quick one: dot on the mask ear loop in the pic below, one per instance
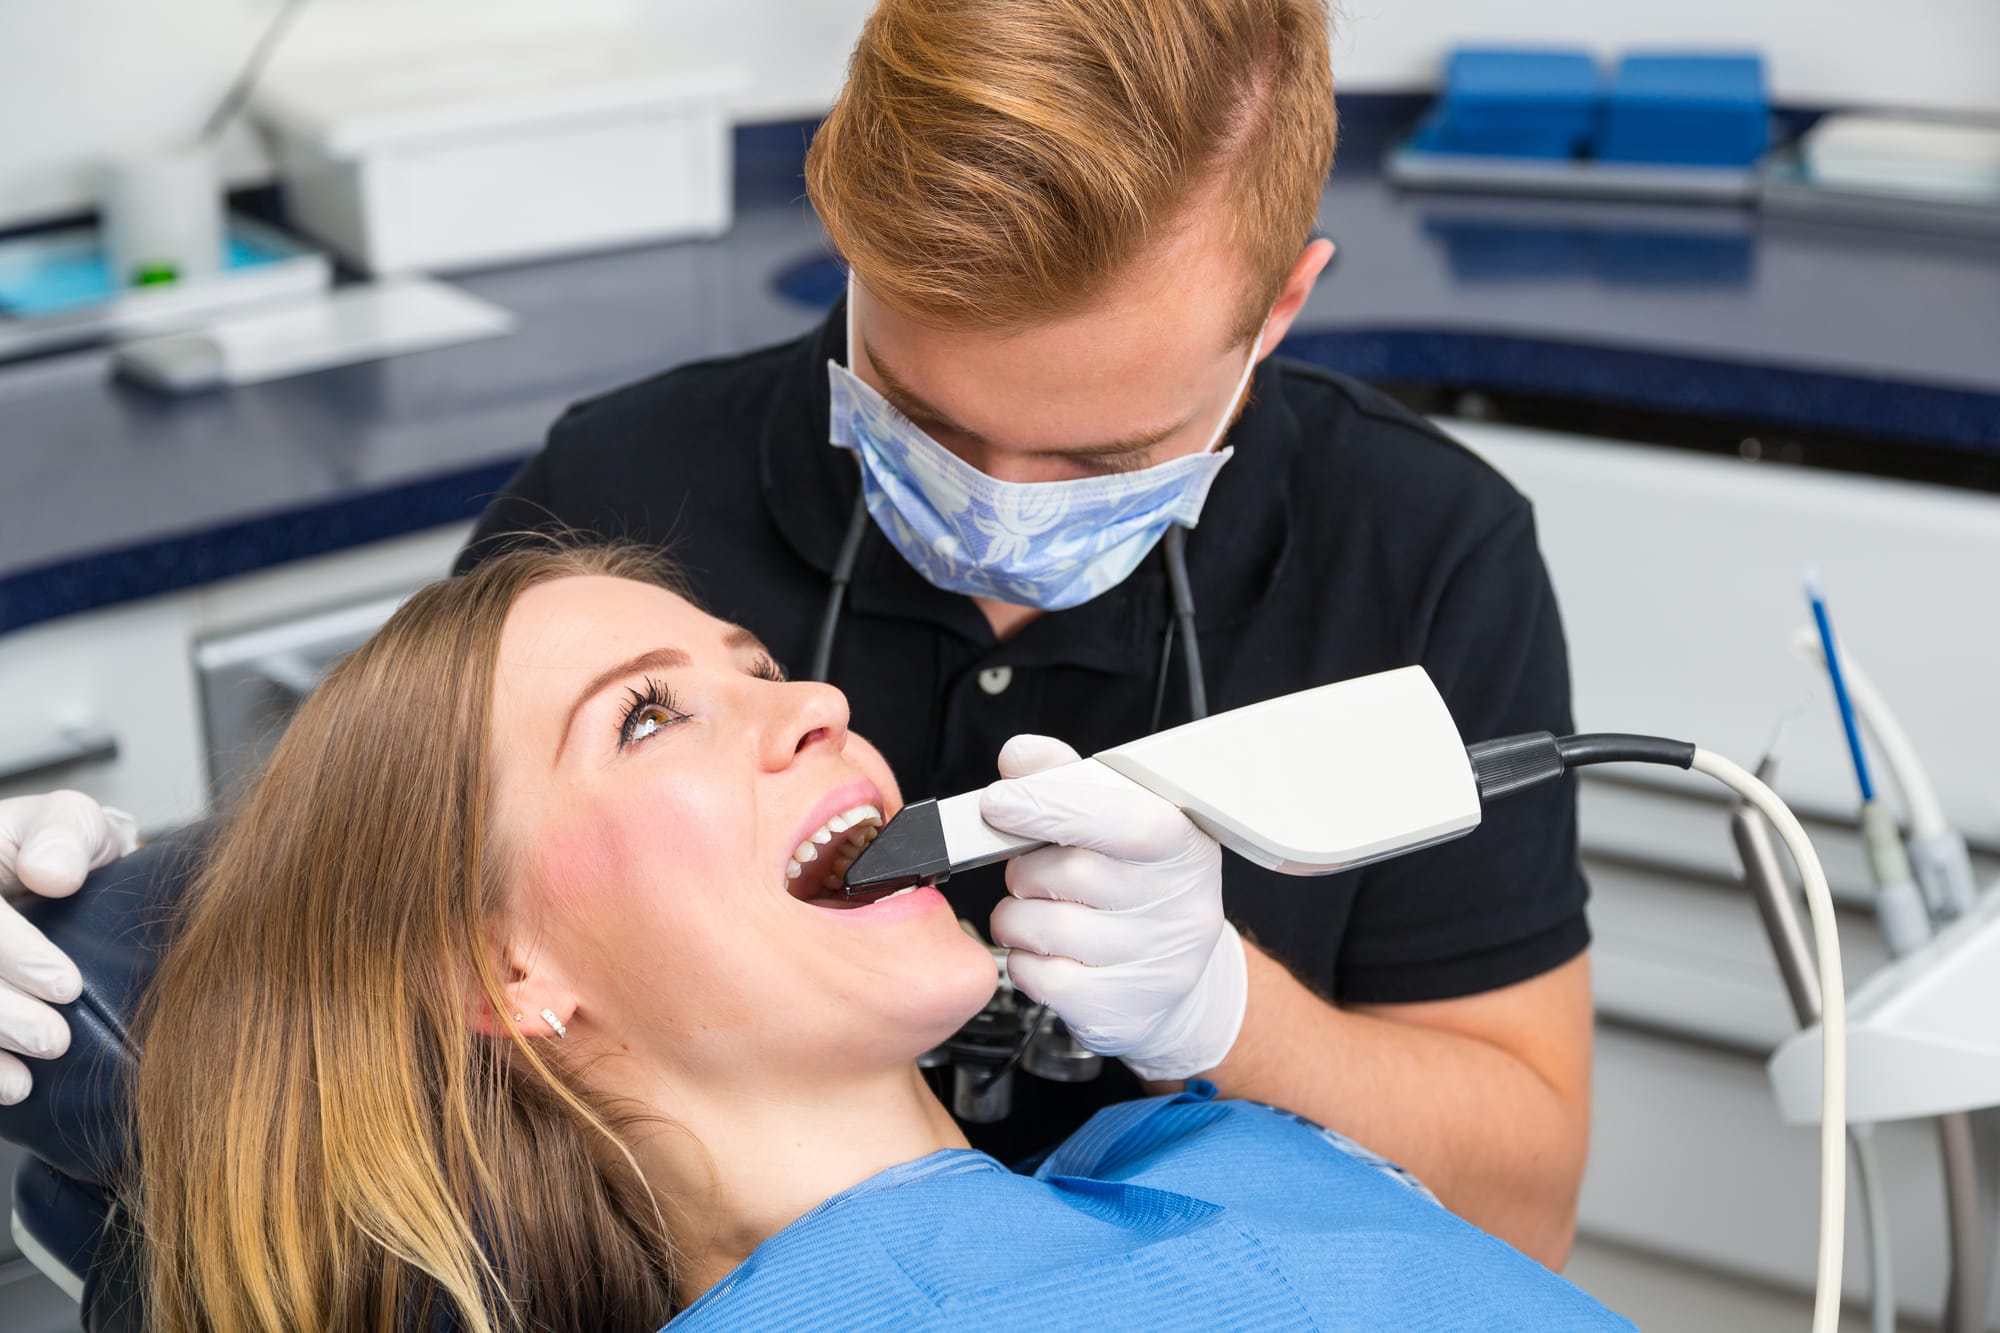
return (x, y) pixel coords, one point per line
(1242, 383)
(850, 319)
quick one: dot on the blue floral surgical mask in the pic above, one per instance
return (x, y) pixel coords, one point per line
(1046, 544)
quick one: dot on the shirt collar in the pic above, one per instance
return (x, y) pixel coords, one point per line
(1234, 556)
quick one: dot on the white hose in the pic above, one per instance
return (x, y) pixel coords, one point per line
(1833, 1028)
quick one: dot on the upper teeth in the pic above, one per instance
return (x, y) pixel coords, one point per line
(860, 824)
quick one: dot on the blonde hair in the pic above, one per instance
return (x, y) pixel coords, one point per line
(326, 1139)
(997, 163)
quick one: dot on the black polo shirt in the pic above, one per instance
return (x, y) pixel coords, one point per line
(1346, 536)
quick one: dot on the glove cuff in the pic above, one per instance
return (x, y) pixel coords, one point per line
(1204, 1029)
(124, 828)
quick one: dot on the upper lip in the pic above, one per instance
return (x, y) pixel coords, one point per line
(853, 792)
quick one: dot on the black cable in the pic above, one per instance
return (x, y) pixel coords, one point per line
(1612, 747)
(1177, 581)
(1509, 764)
(1160, 679)
(1033, 1022)
(836, 593)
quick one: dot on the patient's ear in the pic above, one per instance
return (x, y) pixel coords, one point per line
(531, 989)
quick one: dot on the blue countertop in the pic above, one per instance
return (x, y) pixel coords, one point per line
(109, 493)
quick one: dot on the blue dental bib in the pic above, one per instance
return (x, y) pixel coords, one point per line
(1178, 1212)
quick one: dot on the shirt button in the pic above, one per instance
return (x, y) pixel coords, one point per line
(995, 680)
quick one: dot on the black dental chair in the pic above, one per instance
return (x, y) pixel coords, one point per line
(74, 1124)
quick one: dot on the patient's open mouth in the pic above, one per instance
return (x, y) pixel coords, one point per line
(814, 872)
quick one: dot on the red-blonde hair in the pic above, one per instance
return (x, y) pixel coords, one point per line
(999, 163)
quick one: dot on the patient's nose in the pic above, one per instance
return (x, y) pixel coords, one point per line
(807, 715)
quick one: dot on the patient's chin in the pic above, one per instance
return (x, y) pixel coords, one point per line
(938, 986)
(960, 987)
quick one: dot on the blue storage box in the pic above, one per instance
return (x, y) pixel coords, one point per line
(1685, 110)
(1513, 103)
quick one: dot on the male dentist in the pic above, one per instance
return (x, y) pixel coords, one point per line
(1047, 429)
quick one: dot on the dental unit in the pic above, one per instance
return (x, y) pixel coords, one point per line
(1922, 890)
(1331, 778)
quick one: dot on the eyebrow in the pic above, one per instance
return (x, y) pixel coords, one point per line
(653, 659)
(913, 405)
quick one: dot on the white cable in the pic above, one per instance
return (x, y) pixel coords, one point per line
(1919, 797)
(1833, 1028)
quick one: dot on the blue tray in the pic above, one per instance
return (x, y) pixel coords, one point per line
(56, 288)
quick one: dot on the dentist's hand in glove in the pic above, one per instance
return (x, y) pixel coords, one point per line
(47, 845)
(1117, 926)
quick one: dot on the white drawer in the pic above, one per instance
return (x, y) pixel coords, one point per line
(122, 674)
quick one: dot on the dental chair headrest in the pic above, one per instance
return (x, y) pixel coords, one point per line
(116, 926)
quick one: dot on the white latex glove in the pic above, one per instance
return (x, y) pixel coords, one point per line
(1117, 927)
(47, 845)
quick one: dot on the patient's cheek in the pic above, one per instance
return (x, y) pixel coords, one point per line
(608, 860)
(587, 864)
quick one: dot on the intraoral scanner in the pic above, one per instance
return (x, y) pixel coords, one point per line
(1362, 770)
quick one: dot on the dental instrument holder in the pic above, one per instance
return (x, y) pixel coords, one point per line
(1943, 867)
(1921, 1040)
(1309, 783)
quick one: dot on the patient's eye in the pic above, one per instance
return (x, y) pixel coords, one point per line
(765, 669)
(652, 709)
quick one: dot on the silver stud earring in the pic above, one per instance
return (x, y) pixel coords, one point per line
(555, 1023)
(519, 1017)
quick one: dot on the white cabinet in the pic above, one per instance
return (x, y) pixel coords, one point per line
(109, 702)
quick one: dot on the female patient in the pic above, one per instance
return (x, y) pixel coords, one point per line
(518, 994)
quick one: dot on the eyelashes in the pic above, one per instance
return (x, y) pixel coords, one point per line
(653, 709)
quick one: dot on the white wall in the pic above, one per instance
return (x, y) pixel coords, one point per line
(84, 79)
(80, 79)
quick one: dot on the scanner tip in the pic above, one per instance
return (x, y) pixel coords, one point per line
(909, 850)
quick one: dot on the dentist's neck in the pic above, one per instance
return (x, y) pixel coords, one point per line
(732, 1169)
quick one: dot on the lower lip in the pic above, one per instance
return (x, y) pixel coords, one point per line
(883, 911)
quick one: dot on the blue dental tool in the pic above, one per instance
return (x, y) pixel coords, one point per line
(1816, 595)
